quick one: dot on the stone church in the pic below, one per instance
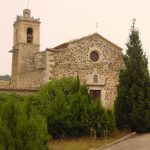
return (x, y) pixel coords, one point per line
(95, 59)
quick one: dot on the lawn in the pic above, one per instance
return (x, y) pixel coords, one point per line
(84, 143)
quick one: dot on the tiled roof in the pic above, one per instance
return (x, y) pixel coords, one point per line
(64, 45)
(5, 88)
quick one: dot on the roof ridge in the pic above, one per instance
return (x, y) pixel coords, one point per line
(65, 44)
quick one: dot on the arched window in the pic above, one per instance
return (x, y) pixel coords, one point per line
(29, 35)
(95, 79)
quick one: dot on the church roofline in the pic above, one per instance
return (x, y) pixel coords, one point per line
(108, 41)
(5, 88)
(36, 21)
(65, 45)
(26, 17)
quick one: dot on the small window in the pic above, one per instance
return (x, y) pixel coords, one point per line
(29, 35)
(94, 56)
(95, 79)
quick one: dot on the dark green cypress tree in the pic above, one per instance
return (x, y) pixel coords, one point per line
(132, 106)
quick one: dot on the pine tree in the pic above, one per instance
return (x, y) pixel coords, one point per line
(132, 106)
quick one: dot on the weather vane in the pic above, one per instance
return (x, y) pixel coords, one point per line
(27, 4)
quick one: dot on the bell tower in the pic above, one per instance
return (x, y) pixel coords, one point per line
(26, 42)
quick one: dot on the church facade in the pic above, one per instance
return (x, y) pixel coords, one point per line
(95, 59)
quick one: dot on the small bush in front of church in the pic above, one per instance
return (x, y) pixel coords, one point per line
(71, 112)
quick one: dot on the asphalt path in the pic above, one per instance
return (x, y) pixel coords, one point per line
(136, 142)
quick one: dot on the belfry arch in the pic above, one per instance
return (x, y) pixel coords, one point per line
(29, 35)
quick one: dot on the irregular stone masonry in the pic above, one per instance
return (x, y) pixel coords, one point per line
(72, 59)
(4, 83)
(96, 60)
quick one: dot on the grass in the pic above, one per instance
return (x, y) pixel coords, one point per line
(85, 143)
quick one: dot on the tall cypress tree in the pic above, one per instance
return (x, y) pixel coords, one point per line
(132, 106)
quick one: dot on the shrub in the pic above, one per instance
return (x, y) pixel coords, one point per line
(19, 131)
(71, 112)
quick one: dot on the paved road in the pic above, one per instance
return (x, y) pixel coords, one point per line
(137, 142)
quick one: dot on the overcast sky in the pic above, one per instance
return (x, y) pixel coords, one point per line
(65, 20)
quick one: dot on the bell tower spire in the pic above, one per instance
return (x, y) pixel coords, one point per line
(27, 13)
(26, 42)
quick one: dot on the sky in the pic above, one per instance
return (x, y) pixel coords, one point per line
(65, 20)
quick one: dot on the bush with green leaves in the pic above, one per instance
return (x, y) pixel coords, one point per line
(71, 112)
(101, 121)
(21, 129)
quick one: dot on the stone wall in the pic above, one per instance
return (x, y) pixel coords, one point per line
(29, 79)
(4, 83)
(29, 70)
(70, 59)
(32, 71)
(27, 61)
